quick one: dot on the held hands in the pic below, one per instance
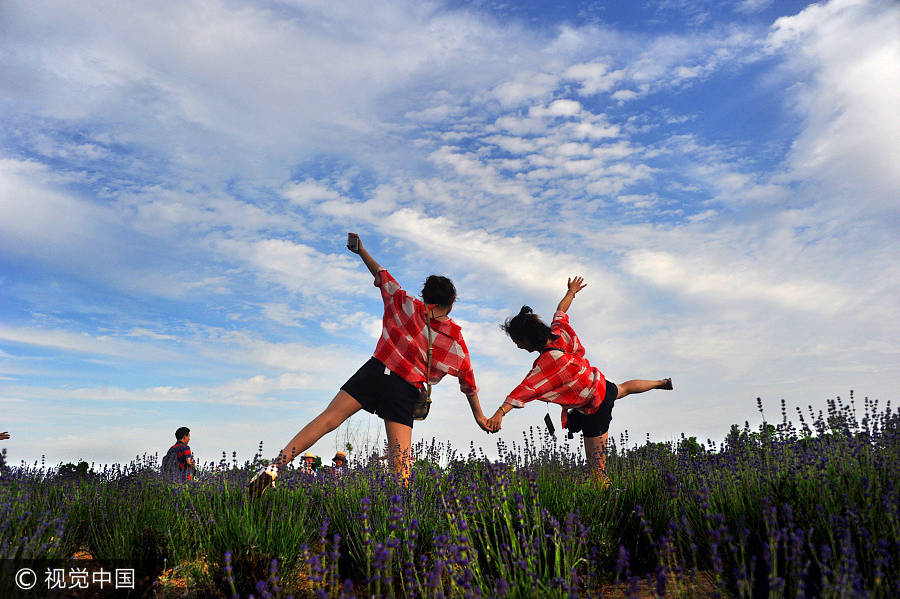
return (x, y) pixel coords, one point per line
(478, 414)
(488, 425)
(493, 423)
(576, 284)
(483, 424)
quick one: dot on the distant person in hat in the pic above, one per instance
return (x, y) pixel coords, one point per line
(309, 461)
(338, 464)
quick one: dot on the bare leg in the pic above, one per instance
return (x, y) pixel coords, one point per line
(399, 439)
(595, 447)
(639, 386)
(341, 407)
(595, 451)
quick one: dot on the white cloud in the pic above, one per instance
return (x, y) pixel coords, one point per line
(527, 87)
(321, 364)
(125, 245)
(557, 108)
(847, 56)
(614, 151)
(284, 314)
(753, 6)
(730, 283)
(249, 85)
(298, 267)
(82, 343)
(594, 77)
(624, 95)
(594, 130)
(370, 324)
(638, 200)
(38, 215)
(521, 125)
(143, 332)
(513, 145)
(306, 192)
(488, 178)
(636, 66)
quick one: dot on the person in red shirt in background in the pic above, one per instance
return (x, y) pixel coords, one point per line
(388, 384)
(3, 437)
(183, 453)
(562, 374)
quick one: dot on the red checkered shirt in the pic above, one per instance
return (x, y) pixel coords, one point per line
(403, 345)
(562, 377)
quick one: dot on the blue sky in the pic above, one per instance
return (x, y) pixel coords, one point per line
(177, 180)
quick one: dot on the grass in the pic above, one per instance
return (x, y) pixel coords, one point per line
(780, 511)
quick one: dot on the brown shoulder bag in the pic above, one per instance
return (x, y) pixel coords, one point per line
(423, 404)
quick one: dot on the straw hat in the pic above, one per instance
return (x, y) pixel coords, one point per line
(339, 456)
(309, 454)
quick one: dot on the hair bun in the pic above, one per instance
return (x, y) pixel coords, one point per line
(525, 310)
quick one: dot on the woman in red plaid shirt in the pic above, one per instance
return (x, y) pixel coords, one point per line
(388, 384)
(562, 374)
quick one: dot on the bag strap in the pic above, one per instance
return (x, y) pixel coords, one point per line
(430, 352)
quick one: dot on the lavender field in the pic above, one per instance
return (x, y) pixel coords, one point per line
(805, 507)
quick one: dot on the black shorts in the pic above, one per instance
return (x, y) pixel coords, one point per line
(386, 395)
(596, 424)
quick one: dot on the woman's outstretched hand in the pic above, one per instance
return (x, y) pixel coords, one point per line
(353, 243)
(576, 284)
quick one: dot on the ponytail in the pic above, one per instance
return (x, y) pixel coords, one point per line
(527, 329)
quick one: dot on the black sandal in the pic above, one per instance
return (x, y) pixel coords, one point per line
(668, 385)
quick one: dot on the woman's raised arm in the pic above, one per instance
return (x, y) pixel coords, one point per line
(574, 285)
(367, 259)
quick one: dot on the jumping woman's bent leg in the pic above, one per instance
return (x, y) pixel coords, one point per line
(399, 439)
(595, 451)
(639, 386)
(341, 407)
